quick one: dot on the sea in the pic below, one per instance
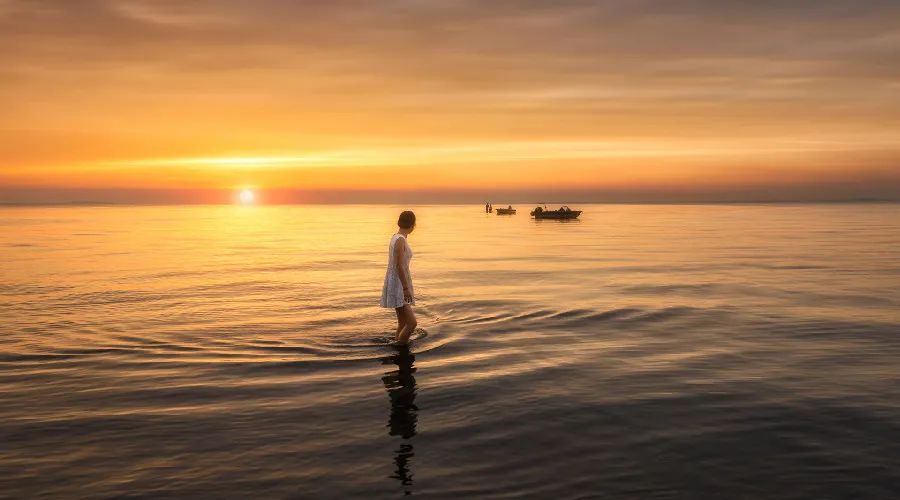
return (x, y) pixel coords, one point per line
(734, 351)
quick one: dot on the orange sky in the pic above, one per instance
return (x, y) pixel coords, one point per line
(663, 97)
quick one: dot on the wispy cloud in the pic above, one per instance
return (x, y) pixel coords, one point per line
(506, 152)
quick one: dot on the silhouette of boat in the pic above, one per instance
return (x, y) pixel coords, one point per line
(564, 212)
(506, 211)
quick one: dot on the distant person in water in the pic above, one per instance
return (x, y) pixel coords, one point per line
(398, 290)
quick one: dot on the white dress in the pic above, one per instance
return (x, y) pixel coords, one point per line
(392, 293)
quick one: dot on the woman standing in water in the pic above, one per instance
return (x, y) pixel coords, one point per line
(398, 290)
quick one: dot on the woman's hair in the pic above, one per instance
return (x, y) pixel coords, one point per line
(407, 220)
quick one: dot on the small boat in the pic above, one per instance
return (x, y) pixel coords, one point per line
(506, 211)
(564, 212)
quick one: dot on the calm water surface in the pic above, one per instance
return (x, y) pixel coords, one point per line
(644, 351)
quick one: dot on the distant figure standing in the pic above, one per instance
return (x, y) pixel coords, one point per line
(487, 207)
(398, 290)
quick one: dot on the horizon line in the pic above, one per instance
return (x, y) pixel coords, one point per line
(96, 203)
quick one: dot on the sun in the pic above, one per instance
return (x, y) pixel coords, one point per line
(247, 196)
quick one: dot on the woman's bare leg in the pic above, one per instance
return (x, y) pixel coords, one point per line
(409, 323)
(401, 321)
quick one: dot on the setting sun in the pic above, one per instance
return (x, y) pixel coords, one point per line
(247, 196)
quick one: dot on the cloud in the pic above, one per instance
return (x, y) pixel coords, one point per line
(472, 43)
(284, 75)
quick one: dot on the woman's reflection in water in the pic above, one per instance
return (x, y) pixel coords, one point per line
(401, 387)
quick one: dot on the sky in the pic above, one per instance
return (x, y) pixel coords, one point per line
(449, 101)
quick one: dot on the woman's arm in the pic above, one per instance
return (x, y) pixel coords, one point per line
(399, 254)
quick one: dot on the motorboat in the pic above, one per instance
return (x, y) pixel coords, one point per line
(564, 212)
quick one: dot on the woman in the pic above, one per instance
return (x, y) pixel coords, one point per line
(398, 291)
